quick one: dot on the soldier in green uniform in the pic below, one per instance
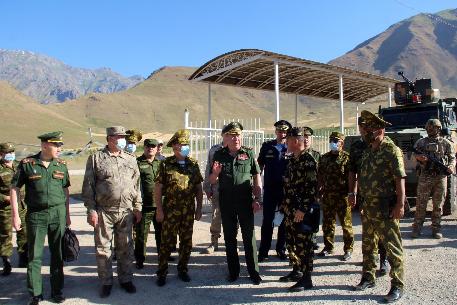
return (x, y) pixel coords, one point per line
(46, 181)
(333, 185)
(382, 185)
(149, 169)
(237, 171)
(300, 191)
(179, 181)
(8, 167)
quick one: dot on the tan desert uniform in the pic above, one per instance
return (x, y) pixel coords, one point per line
(112, 188)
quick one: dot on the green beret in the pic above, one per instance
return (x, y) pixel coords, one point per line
(373, 121)
(151, 142)
(337, 135)
(52, 137)
(133, 136)
(282, 125)
(182, 136)
(232, 128)
(116, 131)
(6, 147)
(299, 132)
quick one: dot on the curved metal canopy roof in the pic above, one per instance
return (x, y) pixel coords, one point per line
(252, 68)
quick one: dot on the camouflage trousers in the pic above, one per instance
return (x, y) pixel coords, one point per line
(6, 234)
(375, 226)
(142, 232)
(299, 245)
(114, 225)
(332, 205)
(216, 221)
(430, 186)
(177, 221)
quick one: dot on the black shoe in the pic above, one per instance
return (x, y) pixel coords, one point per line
(139, 265)
(347, 256)
(6, 266)
(161, 281)
(262, 258)
(105, 291)
(23, 260)
(129, 287)
(255, 278)
(302, 284)
(183, 276)
(57, 298)
(232, 278)
(394, 295)
(325, 252)
(293, 276)
(383, 267)
(364, 284)
(35, 300)
(281, 255)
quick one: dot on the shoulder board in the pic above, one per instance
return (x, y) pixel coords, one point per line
(28, 160)
(246, 148)
(130, 154)
(62, 161)
(192, 160)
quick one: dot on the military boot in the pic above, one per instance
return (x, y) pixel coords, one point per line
(6, 266)
(304, 283)
(23, 260)
(293, 276)
(382, 265)
(416, 232)
(436, 234)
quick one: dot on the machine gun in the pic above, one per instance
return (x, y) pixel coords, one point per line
(433, 161)
(411, 84)
(409, 92)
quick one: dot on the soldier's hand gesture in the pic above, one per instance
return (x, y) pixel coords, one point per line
(217, 168)
(92, 219)
(17, 223)
(298, 216)
(397, 212)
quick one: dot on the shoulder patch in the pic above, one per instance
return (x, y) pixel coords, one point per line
(28, 160)
(61, 161)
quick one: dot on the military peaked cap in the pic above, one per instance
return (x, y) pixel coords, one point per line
(373, 121)
(299, 132)
(6, 147)
(182, 136)
(282, 125)
(134, 136)
(337, 135)
(232, 128)
(116, 131)
(52, 137)
(151, 142)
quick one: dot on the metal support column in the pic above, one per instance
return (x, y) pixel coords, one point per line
(296, 109)
(341, 105)
(186, 118)
(277, 89)
(390, 97)
(208, 133)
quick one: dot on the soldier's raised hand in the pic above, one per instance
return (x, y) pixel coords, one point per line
(217, 168)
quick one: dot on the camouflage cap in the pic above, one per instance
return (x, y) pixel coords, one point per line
(182, 136)
(360, 121)
(433, 122)
(52, 137)
(299, 132)
(337, 135)
(232, 128)
(133, 136)
(6, 147)
(116, 131)
(373, 121)
(282, 125)
(151, 142)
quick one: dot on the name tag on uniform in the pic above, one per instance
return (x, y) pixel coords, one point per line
(58, 175)
(35, 177)
(144, 166)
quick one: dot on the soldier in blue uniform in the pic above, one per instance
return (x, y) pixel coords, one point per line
(273, 163)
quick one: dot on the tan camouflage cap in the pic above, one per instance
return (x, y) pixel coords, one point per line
(6, 147)
(373, 121)
(337, 135)
(116, 131)
(182, 136)
(133, 136)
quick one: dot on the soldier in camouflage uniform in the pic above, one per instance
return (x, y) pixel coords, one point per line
(179, 181)
(133, 137)
(382, 185)
(46, 182)
(355, 155)
(333, 185)
(8, 167)
(111, 194)
(149, 169)
(238, 174)
(300, 191)
(432, 181)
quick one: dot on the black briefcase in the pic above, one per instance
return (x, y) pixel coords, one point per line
(70, 246)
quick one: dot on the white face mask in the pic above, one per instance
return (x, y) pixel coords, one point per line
(131, 148)
(185, 150)
(9, 157)
(333, 146)
(121, 143)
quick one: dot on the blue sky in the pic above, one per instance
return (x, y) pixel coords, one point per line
(138, 37)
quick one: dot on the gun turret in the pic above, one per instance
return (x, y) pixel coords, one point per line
(408, 92)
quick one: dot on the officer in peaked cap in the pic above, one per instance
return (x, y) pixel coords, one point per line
(182, 136)
(133, 137)
(234, 167)
(8, 168)
(46, 181)
(273, 163)
(373, 121)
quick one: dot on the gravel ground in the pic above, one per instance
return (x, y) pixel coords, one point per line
(430, 274)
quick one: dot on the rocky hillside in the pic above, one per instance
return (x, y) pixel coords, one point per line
(423, 46)
(49, 80)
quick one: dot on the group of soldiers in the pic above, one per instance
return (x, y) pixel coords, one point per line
(124, 194)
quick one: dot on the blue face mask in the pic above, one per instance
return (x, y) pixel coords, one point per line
(131, 148)
(9, 157)
(333, 146)
(185, 150)
(121, 143)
